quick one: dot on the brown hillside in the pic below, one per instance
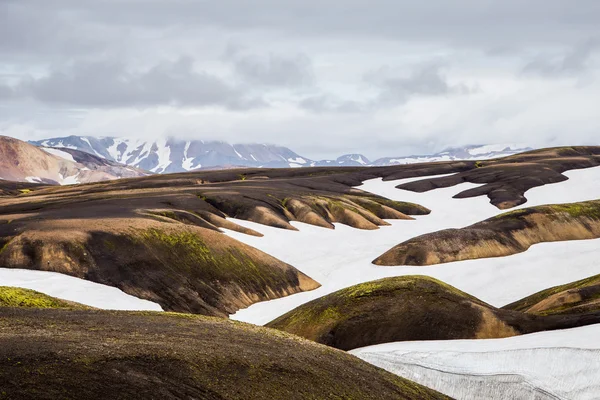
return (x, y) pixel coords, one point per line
(578, 297)
(56, 354)
(503, 235)
(410, 308)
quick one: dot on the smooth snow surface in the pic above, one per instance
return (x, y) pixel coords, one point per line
(342, 257)
(562, 364)
(74, 289)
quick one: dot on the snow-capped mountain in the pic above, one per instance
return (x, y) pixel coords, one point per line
(172, 155)
(473, 152)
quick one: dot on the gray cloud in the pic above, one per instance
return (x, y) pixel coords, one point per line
(111, 84)
(573, 62)
(328, 103)
(297, 68)
(274, 70)
(427, 80)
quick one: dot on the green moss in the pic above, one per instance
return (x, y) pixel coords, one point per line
(589, 209)
(191, 242)
(185, 250)
(4, 245)
(18, 297)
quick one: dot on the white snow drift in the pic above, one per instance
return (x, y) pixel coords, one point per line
(74, 289)
(562, 364)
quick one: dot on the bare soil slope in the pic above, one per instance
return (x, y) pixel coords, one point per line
(578, 297)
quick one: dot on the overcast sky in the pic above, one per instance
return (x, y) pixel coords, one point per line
(324, 78)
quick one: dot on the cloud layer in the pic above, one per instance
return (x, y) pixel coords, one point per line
(378, 77)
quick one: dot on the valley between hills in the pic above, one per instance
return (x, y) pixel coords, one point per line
(417, 281)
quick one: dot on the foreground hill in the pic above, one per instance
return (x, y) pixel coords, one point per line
(49, 354)
(410, 308)
(503, 235)
(21, 161)
(576, 297)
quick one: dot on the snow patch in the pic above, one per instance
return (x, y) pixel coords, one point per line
(91, 147)
(494, 148)
(557, 364)
(297, 160)
(59, 153)
(74, 289)
(187, 162)
(164, 156)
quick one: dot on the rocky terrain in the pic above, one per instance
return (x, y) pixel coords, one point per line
(506, 234)
(53, 353)
(21, 161)
(410, 308)
(506, 180)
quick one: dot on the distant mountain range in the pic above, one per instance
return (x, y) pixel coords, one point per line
(171, 155)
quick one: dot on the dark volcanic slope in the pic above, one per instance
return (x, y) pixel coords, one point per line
(182, 267)
(505, 234)
(56, 354)
(10, 188)
(505, 180)
(410, 308)
(582, 296)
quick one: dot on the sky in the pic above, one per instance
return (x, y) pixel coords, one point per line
(328, 77)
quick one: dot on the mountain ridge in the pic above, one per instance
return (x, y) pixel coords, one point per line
(174, 155)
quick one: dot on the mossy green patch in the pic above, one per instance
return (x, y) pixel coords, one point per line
(19, 297)
(188, 251)
(589, 209)
(4, 242)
